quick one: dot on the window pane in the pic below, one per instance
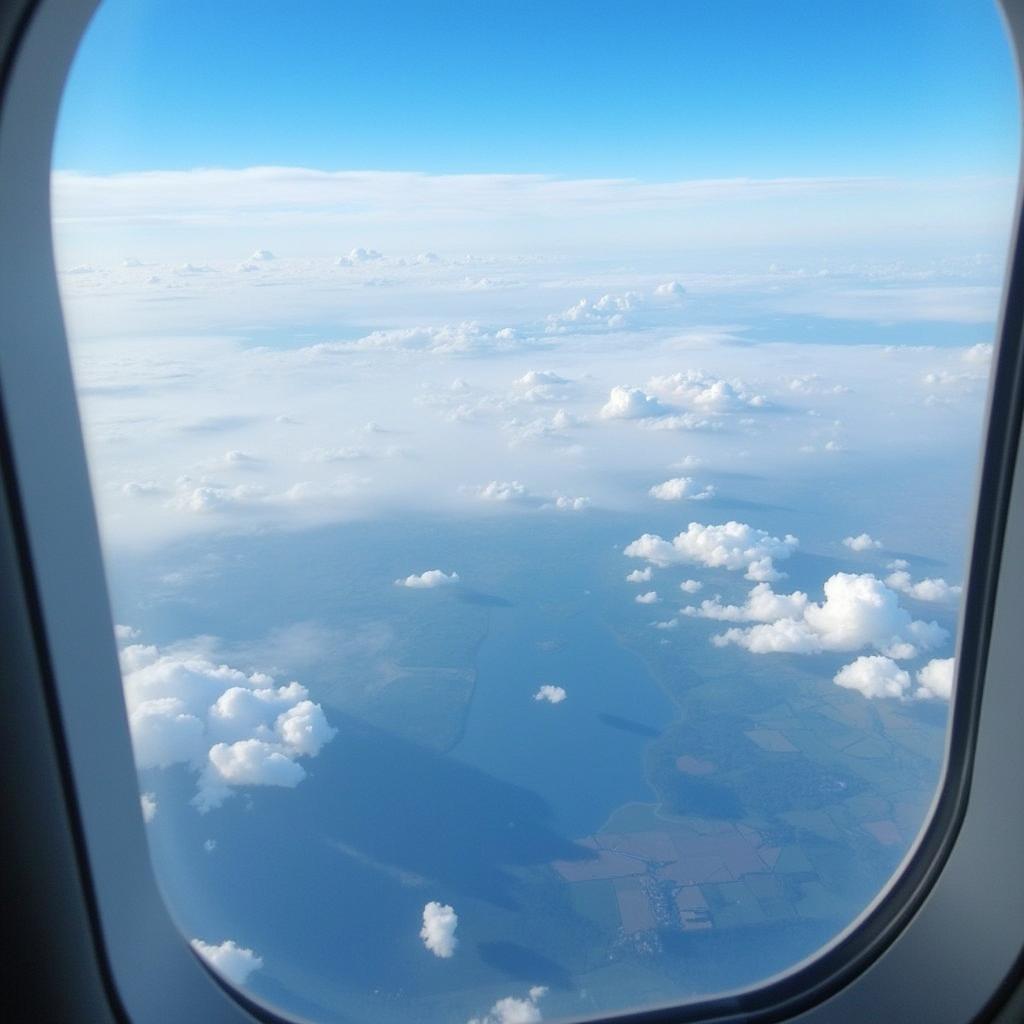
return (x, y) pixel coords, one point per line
(534, 447)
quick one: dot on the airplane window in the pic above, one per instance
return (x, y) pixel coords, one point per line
(535, 450)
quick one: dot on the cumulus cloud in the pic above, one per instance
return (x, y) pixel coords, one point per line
(359, 255)
(858, 611)
(979, 354)
(438, 931)
(862, 542)
(428, 580)
(640, 575)
(232, 728)
(690, 586)
(609, 311)
(148, 802)
(233, 962)
(702, 392)
(762, 605)
(651, 597)
(935, 590)
(511, 1010)
(935, 680)
(541, 428)
(874, 676)
(552, 694)
(678, 488)
(502, 490)
(565, 503)
(671, 290)
(254, 763)
(631, 404)
(540, 378)
(729, 545)
(262, 256)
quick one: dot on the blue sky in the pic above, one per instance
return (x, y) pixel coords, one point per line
(652, 89)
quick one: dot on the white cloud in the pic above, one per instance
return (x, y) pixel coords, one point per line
(631, 404)
(813, 384)
(447, 339)
(149, 806)
(762, 605)
(359, 255)
(125, 633)
(141, 489)
(729, 545)
(165, 733)
(232, 728)
(677, 488)
(428, 580)
(565, 503)
(979, 354)
(303, 728)
(502, 490)
(233, 962)
(511, 1010)
(552, 694)
(935, 590)
(640, 575)
(690, 586)
(608, 311)
(858, 611)
(262, 256)
(935, 680)
(438, 931)
(704, 393)
(862, 542)
(687, 462)
(672, 290)
(254, 763)
(541, 428)
(540, 378)
(651, 597)
(874, 676)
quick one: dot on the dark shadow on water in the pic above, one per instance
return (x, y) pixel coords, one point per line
(522, 964)
(627, 725)
(487, 600)
(350, 856)
(419, 811)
